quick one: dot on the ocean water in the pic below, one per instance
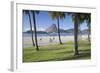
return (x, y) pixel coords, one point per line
(53, 34)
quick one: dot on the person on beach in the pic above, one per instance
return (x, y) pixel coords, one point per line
(40, 39)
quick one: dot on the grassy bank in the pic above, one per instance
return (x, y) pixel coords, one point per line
(57, 52)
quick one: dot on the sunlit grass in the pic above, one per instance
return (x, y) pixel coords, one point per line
(57, 52)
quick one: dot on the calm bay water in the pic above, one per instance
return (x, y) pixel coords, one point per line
(53, 34)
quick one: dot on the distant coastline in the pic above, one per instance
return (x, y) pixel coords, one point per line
(45, 40)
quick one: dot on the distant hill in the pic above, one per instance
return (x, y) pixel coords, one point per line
(70, 30)
(38, 32)
(53, 30)
(85, 31)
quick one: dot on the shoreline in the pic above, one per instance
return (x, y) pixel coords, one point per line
(46, 40)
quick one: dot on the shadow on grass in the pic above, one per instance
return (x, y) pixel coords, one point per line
(81, 56)
(84, 54)
(71, 51)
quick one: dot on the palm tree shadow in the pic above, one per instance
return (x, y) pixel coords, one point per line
(84, 54)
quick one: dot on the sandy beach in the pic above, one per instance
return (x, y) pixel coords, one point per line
(47, 40)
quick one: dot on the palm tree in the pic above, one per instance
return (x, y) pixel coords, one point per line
(76, 19)
(86, 17)
(76, 33)
(58, 16)
(80, 21)
(88, 21)
(35, 30)
(30, 22)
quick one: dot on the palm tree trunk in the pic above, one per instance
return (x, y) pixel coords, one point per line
(76, 34)
(89, 37)
(59, 31)
(80, 35)
(31, 29)
(36, 42)
(89, 34)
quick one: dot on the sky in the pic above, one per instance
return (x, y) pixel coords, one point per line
(44, 20)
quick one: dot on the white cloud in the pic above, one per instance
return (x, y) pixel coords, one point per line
(28, 29)
(39, 29)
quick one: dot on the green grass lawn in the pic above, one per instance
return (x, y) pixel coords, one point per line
(57, 52)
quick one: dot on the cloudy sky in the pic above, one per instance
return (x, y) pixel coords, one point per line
(43, 21)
